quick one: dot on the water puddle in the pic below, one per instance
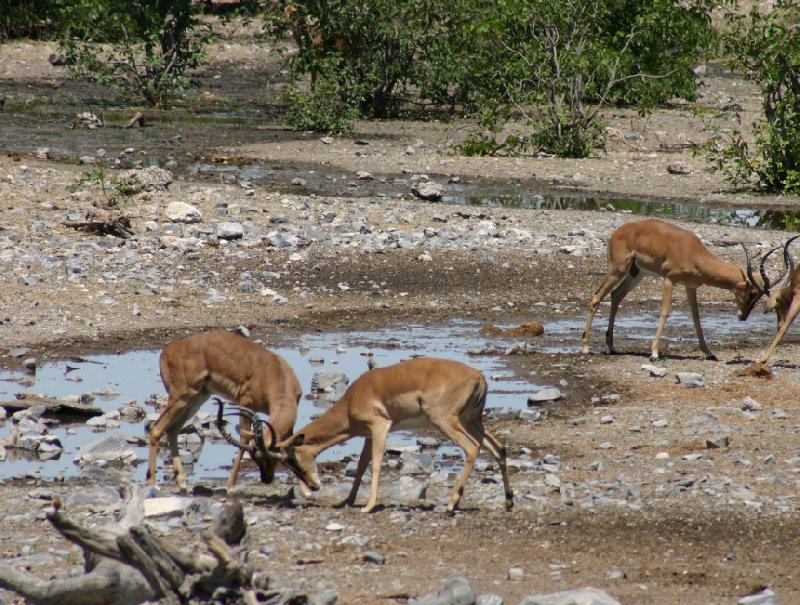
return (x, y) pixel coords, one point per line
(757, 218)
(492, 196)
(134, 375)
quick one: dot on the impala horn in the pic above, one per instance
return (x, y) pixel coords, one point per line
(221, 423)
(257, 425)
(765, 290)
(788, 261)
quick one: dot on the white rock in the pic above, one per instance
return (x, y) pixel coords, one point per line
(181, 212)
(170, 505)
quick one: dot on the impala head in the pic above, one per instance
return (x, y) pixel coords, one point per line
(301, 461)
(780, 298)
(265, 456)
(753, 288)
(776, 297)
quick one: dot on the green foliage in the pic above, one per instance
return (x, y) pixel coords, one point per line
(28, 19)
(766, 48)
(555, 65)
(321, 110)
(112, 192)
(374, 52)
(550, 65)
(140, 47)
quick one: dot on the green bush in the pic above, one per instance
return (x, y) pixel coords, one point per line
(139, 47)
(549, 65)
(765, 48)
(38, 19)
(320, 110)
(555, 65)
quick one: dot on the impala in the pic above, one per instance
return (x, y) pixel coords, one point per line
(654, 247)
(409, 395)
(784, 300)
(226, 364)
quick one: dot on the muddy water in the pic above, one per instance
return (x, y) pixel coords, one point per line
(117, 379)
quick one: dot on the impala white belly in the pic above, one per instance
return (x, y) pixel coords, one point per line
(410, 424)
(647, 265)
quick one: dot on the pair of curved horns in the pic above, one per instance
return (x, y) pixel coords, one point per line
(788, 267)
(257, 425)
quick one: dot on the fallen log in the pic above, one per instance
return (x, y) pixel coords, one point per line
(129, 563)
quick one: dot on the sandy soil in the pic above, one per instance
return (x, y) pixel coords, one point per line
(697, 544)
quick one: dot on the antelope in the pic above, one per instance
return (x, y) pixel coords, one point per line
(226, 364)
(658, 248)
(409, 395)
(785, 300)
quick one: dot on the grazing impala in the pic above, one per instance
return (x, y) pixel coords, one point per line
(222, 363)
(654, 247)
(784, 300)
(411, 394)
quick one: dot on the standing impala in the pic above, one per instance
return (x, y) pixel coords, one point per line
(411, 394)
(784, 300)
(222, 363)
(654, 247)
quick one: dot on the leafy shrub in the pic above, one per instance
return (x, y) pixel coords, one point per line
(140, 47)
(765, 47)
(322, 109)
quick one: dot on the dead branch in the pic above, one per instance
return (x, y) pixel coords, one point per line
(129, 563)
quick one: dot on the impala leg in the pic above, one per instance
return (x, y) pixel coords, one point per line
(611, 282)
(177, 463)
(498, 451)
(617, 295)
(666, 303)
(379, 435)
(471, 446)
(361, 468)
(245, 434)
(794, 309)
(172, 419)
(165, 424)
(691, 295)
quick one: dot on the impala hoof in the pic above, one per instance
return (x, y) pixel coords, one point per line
(655, 357)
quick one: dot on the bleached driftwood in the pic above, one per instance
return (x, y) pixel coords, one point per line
(129, 563)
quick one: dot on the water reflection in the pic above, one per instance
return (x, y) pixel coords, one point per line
(757, 218)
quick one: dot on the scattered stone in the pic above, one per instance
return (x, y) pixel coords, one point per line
(545, 395)
(679, 168)
(690, 379)
(166, 506)
(721, 441)
(428, 190)
(763, 597)
(151, 178)
(377, 558)
(655, 371)
(110, 450)
(181, 212)
(751, 405)
(583, 596)
(456, 591)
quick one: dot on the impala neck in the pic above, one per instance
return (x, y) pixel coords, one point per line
(331, 428)
(719, 273)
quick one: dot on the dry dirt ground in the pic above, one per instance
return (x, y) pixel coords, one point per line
(702, 545)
